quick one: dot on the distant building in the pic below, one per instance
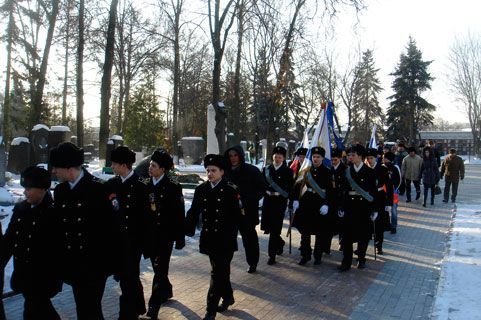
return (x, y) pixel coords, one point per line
(462, 141)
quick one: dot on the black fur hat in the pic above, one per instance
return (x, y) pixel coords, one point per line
(359, 149)
(318, 150)
(35, 177)
(280, 150)
(215, 160)
(122, 155)
(163, 159)
(66, 155)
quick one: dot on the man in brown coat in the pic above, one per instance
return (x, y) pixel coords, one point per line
(453, 169)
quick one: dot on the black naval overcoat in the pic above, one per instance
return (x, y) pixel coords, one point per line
(131, 210)
(384, 192)
(166, 215)
(32, 239)
(274, 204)
(220, 210)
(308, 219)
(357, 210)
(88, 229)
(339, 185)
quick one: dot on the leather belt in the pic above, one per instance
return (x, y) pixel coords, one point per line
(272, 193)
(380, 189)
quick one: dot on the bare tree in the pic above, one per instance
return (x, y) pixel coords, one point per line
(79, 73)
(217, 25)
(105, 90)
(465, 79)
(37, 103)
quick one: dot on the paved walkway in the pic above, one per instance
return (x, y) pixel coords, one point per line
(401, 284)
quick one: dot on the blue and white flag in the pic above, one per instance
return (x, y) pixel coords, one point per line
(372, 142)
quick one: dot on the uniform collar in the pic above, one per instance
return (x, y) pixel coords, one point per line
(155, 181)
(357, 168)
(131, 173)
(76, 181)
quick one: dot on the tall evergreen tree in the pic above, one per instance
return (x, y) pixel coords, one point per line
(367, 111)
(145, 127)
(408, 110)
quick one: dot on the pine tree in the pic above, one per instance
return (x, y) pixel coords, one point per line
(408, 111)
(367, 111)
(144, 127)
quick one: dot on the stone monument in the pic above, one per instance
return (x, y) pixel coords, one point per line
(19, 155)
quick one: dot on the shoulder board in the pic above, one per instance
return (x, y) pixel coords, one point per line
(96, 179)
(144, 180)
(233, 186)
(173, 181)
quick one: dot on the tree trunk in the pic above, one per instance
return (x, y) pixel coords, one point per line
(80, 77)
(176, 71)
(38, 98)
(6, 101)
(105, 90)
(65, 71)
(237, 99)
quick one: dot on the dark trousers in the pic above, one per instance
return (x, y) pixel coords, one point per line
(161, 286)
(39, 307)
(220, 286)
(2, 311)
(408, 188)
(131, 301)
(447, 184)
(321, 244)
(88, 298)
(426, 189)
(347, 245)
(250, 241)
(275, 217)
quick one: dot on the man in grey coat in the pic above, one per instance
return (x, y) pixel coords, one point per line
(452, 169)
(411, 170)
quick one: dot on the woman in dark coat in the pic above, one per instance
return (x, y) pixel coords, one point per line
(429, 173)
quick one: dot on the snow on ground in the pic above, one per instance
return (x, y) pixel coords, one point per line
(458, 291)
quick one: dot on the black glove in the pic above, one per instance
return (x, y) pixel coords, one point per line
(180, 243)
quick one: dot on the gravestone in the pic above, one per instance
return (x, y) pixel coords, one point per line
(57, 135)
(39, 144)
(292, 148)
(19, 155)
(231, 139)
(263, 150)
(212, 144)
(193, 149)
(112, 143)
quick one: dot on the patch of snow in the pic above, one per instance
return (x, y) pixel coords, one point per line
(192, 138)
(116, 137)
(18, 140)
(5, 197)
(40, 126)
(60, 129)
(458, 289)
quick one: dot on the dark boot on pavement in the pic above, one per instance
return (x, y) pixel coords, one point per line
(226, 303)
(361, 265)
(271, 261)
(152, 314)
(210, 316)
(343, 268)
(418, 195)
(304, 261)
(252, 269)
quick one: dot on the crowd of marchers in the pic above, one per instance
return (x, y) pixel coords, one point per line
(90, 229)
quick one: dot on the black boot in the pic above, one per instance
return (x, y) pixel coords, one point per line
(271, 261)
(152, 314)
(210, 316)
(225, 304)
(304, 261)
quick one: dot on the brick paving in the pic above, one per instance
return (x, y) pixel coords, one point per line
(401, 284)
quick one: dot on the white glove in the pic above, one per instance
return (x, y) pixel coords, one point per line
(295, 205)
(388, 209)
(340, 213)
(324, 210)
(373, 216)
